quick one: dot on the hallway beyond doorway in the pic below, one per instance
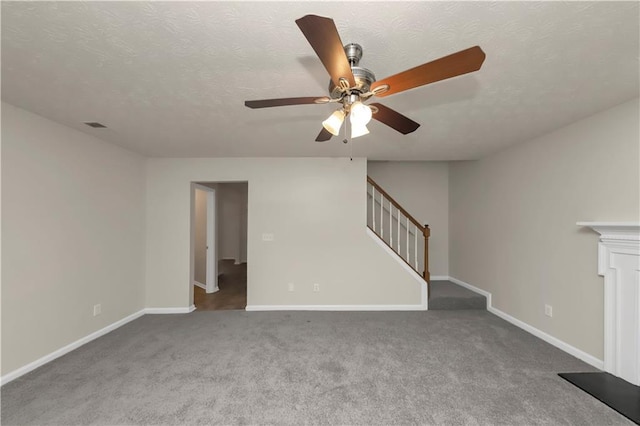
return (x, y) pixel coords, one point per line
(232, 281)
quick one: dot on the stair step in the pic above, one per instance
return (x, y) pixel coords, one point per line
(446, 295)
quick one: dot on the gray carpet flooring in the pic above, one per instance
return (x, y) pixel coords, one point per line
(365, 368)
(446, 295)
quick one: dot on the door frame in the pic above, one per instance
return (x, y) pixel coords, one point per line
(211, 285)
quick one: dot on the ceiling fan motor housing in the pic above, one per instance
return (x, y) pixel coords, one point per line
(363, 77)
(354, 53)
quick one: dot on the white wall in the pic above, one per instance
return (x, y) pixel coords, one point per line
(232, 221)
(316, 209)
(200, 236)
(72, 235)
(1, 257)
(422, 188)
(513, 221)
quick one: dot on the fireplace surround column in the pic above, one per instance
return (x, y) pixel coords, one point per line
(619, 264)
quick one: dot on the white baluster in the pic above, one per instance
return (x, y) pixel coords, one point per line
(381, 217)
(415, 239)
(368, 184)
(382, 198)
(408, 239)
(390, 224)
(398, 251)
(373, 207)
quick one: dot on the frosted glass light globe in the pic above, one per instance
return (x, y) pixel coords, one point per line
(360, 114)
(358, 130)
(334, 122)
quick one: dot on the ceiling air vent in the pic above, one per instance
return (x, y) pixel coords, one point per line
(95, 125)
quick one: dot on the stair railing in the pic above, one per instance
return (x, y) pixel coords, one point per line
(398, 229)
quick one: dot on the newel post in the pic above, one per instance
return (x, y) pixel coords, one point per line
(426, 232)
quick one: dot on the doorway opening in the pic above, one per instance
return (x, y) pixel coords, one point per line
(219, 245)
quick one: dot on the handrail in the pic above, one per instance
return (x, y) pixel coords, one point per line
(411, 251)
(395, 204)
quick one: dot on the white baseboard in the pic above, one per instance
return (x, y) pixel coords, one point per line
(439, 277)
(475, 289)
(204, 287)
(235, 261)
(170, 310)
(68, 348)
(571, 350)
(71, 346)
(335, 308)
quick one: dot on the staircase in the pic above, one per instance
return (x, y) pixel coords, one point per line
(410, 241)
(398, 229)
(448, 296)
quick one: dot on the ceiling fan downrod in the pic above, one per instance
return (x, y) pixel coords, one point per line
(354, 53)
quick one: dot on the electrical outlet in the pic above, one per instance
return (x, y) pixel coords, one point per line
(316, 287)
(291, 287)
(267, 237)
(548, 310)
(97, 309)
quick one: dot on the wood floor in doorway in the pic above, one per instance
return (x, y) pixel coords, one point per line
(232, 281)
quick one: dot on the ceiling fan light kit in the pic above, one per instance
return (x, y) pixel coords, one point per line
(334, 122)
(352, 85)
(358, 130)
(360, 114)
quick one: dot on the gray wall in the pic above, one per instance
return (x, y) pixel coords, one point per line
(316, 209)
(513, 221)
(200, 236)
(231, 199)
(72, 234)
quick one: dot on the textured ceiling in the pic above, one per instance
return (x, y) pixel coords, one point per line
(169, 78)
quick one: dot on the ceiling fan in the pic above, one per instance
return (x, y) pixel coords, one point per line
(352, 85)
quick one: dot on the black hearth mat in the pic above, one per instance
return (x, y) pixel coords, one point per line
(618, 394)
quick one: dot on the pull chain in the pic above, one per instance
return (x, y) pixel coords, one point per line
(350, 148)
(349, 141)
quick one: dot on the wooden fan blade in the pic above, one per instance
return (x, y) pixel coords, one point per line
(459, 63)
(323, 136)
(266, 103)
(394, 119)
(323, 36)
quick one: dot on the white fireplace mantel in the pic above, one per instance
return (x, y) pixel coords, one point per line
(619, 264)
